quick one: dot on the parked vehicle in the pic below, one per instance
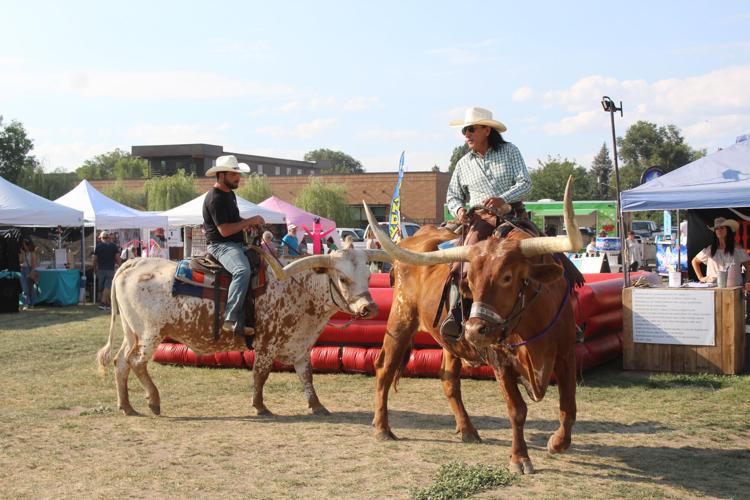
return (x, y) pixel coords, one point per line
(357, 234)
(407, 228)
(644, 228)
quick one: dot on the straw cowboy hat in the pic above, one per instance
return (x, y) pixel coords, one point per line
(103, 234)
(721, 221)
(478, 116)
(227, 163)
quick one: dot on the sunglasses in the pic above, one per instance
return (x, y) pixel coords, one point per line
(471, 129)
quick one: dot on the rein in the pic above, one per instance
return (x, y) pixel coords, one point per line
(487, 313)
(353, 318)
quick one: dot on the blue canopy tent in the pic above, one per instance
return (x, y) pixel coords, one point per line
(719, 180)
(717, 185)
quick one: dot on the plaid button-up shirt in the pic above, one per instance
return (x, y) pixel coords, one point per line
(501, 173)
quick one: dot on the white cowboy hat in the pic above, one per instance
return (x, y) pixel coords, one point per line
(478, 116)
(721, 221)
(227, 163)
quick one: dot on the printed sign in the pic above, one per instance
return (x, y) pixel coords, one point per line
(673, 317)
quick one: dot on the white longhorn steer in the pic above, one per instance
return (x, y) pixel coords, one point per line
(289, 318)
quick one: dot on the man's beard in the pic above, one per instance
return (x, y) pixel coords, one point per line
(231, 185)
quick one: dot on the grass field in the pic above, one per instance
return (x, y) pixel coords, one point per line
(638, 435)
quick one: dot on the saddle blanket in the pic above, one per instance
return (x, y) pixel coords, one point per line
(198, 284)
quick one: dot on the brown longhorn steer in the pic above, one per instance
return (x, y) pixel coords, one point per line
(521, 324)
(290, 316)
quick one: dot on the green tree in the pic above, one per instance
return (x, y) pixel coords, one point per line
(458, 153)
(255, 188)
(163, 193)
(326, 200)
(645, 144)
(600, 174)
(548, 181)
(116, 164)
(132, 198)
(340, 162)
(14, 151)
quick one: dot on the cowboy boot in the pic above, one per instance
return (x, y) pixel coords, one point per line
(452, 329)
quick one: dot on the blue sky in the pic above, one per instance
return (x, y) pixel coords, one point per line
(368, 78)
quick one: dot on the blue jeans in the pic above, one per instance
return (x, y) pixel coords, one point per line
(27, 286)
(232, 257)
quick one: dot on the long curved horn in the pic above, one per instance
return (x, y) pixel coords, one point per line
(552, 244)
(278, 271)
(417, 258)
(378, 256)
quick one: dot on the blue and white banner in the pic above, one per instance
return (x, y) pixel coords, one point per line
(394, 215)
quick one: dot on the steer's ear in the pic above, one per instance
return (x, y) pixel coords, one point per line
(545, 273)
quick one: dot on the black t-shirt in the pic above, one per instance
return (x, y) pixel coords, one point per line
(105, 256)
(220, 207)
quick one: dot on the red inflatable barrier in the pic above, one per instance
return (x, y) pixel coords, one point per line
(231, 359)
(326, 359)
(606, 322)
(359, 359)
(363, 333)
(380, 280)
(603, 348)
(424, 363)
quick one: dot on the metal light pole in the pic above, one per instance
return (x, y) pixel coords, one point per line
(609, 106)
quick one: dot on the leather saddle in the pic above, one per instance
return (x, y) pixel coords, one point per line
(215, 277)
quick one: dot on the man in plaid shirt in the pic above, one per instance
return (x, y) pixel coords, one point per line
(492, 174)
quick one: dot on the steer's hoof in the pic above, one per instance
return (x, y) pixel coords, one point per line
(555, 445)
(263, 412)
(321, 410)
(155, 409)
(129, 411)
(385, 436)
(470, 436)
(524, 467)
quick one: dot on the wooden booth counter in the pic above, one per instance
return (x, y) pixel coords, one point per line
(688, 330)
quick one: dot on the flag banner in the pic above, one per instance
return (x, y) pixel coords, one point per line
(394, 215)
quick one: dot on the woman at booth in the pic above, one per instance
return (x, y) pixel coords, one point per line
(721, 255)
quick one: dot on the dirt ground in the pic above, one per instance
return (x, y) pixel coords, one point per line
(638, 435)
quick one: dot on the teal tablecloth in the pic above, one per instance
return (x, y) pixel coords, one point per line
(58, 286)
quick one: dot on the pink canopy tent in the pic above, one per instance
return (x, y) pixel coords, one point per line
(300, 218)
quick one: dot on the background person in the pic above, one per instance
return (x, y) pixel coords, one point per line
(331, 245)
(635, 252)
(29, 275)
(106, 259)
(721, 255)
(224, 227)
(267, 243)
(290, 241)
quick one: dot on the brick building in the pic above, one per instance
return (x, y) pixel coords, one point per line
(422, 193)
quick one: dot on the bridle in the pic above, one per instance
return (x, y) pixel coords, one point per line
(488, 314)
(495, 321)
(331, 288)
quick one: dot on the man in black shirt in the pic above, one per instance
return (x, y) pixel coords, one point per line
(106, 258)
(224, 226)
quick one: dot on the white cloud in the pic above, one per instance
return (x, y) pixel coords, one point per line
(709, 107)
(143, 85)
(360, 103)
(299, 131)
(379, 135)
(70, 155)
(523, 94)
(160, 133)
(470, 53)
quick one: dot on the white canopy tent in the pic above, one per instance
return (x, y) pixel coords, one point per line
(19, 207)
(191, 213)
(105, 213)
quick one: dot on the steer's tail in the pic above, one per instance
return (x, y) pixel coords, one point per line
(104, 356)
